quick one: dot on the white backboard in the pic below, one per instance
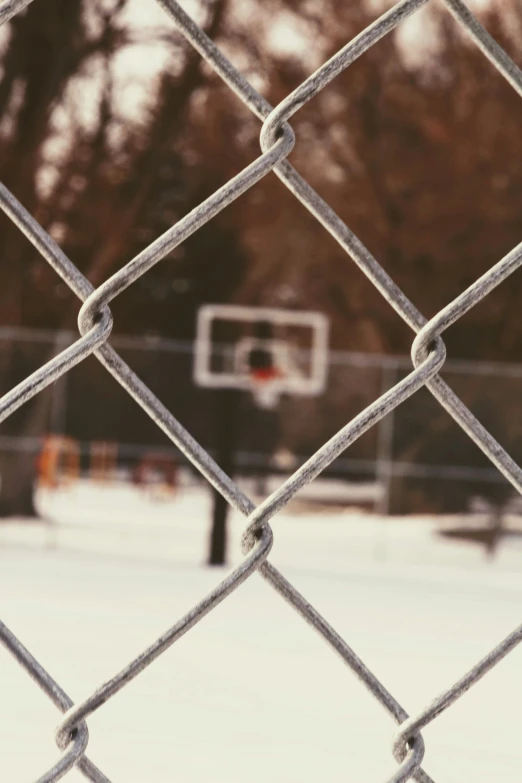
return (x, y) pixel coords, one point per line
(299, 345)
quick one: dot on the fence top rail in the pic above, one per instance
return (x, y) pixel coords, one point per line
(62, 337)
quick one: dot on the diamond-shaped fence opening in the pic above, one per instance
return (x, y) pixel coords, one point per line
(428, 354)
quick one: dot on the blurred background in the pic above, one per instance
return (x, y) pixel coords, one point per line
(112, 129)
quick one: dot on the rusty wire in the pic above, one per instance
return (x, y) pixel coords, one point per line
(428, 356)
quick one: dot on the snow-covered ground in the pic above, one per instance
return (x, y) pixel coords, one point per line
(251, 693)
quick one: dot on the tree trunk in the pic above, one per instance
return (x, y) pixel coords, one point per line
(18, 477)
(18, 469)
(227, 411)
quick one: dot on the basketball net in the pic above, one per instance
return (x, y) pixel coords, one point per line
(264, 386)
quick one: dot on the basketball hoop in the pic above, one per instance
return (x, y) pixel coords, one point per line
(263, 350)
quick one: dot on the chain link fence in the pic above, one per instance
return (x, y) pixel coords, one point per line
(428, 356)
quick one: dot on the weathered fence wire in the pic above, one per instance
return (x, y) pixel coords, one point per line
(428, 355)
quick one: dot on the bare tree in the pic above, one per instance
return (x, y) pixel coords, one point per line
(107, 188)
(421, 156)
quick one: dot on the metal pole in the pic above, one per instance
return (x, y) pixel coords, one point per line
(58, 414)
(227, 409)
(385, 445)
(383, 468)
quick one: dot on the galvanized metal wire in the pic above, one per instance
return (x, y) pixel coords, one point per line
(428, 356)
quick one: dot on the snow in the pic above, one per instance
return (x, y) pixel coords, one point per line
(251, 693)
